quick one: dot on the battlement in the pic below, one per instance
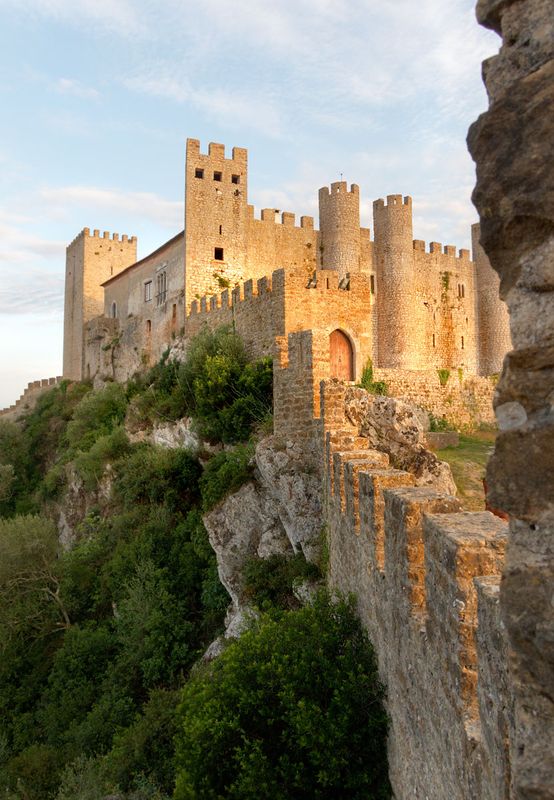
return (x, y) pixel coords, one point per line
(285, 218)
(29, 397)
(393, 200)
(424, 573)
(339, 187)
(114, 237)
(437, 248)
(216, 151)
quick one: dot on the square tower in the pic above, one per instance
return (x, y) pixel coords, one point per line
(90, 260)
(216, 213)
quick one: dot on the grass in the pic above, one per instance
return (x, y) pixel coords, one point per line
(468, 462)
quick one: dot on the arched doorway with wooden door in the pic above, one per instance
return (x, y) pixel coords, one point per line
(341, 356)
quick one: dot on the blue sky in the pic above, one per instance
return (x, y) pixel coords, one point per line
(97, 98)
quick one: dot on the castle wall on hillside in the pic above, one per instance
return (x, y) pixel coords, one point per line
(27, 401)
(426, 576)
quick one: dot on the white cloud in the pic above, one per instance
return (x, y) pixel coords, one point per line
(119, 17)
(75, 88)
(141, 205)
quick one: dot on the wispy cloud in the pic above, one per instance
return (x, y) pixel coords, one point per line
(119, 17)
(92, 199)
(73, 87)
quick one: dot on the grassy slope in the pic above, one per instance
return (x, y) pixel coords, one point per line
(468, 462)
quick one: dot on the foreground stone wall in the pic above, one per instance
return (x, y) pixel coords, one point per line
(426, 576)
(513, 147)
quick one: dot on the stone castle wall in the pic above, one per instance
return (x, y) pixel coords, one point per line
(28, 399)
(426, 576)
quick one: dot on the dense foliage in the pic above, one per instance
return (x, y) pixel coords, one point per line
(225, 394)
(292, 709)
(97, 640)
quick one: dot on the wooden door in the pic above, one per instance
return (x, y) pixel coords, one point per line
(342, 357)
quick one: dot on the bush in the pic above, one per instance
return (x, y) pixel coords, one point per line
(444, 375)
(439, 424)
(292, 709)
(33, 773)
(225, 473)
(268, 582)
(108, 448)
(97, 414)
(157, 475)
(367, 382)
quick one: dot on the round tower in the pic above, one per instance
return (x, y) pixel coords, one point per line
(339, 225)
(397, 313)
(493, 321)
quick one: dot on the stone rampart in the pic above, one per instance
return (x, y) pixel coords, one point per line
(464, 400)
(426, 577)
(29, 397)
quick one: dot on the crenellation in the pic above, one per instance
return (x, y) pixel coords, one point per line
(216, 150)
(450, 250)
(288, 219)
(435, 247)
(419, 245)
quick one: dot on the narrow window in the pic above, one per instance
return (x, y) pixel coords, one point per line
(161, 288)
(217, 176)
(148, 327)
(174, 316)
(434, 342)
(198, 173)
(372, 283)
(235, 178)
(147, 291)
(218, 253)
(462, 342)
(220, 229)
(114, 310)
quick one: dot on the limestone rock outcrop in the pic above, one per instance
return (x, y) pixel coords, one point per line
(397, 428)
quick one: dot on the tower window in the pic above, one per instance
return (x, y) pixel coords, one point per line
(148, 327)
(114, 310)
(147, 291)
(434, 341)
(461, 290)
(372, 283)
(218, 253)
(218, 176)
(198, 173)
(221, 229)
(235, 178)
(161, 288)
(462, 342)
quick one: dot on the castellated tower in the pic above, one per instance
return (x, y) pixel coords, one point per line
(493, 321)
(339, 225)
(90, 260)
(216, 216)
(397, 322)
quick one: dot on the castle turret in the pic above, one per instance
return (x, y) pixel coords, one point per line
(216, 214)
(493, 322)
(339, 224)
(91, 259)
(397, 320)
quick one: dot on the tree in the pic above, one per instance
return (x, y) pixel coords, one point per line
(293, 709)
(29, 583)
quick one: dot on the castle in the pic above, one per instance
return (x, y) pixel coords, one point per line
(389, 299)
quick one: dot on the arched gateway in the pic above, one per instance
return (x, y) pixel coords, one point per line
(341, 356)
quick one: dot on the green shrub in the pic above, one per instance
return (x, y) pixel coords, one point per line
(82, 780)
(225, 473)
(33, 773)
(444, 375)
(292, 709)
(269, 581)
(97, 414)
(156, 475)
(439, 424)
(91, 464)
(146, 747)
(367, 382)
